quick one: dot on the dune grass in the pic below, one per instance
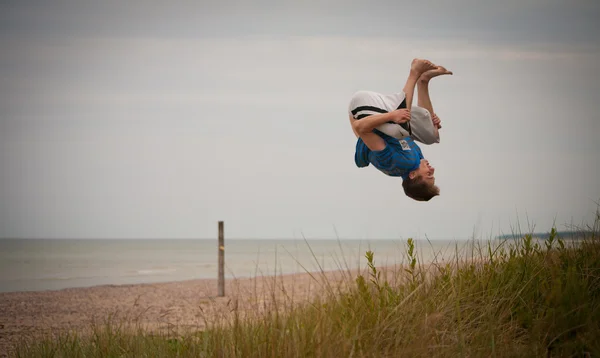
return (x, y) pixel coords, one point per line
(519, 298)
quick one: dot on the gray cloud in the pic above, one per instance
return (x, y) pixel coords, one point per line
(512, 21)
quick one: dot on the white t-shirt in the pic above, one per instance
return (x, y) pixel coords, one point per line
(368, 102)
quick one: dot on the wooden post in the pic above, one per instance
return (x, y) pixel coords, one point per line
(221, 261)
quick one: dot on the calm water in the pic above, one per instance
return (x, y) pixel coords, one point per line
(50, 264)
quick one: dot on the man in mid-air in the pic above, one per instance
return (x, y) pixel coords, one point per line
(387, 127)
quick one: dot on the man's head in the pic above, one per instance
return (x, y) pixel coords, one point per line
(420, 183)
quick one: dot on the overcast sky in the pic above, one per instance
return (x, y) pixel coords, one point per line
(156, 119)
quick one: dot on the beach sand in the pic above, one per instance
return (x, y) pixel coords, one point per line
(161, 306)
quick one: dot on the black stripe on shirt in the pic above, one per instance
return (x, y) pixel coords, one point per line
(403, 104)
(405, 125)
(368, 108)
(376, 109)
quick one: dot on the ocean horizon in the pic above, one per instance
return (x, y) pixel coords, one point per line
(54, 264)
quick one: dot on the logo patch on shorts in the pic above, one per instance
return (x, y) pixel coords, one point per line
(404, 144)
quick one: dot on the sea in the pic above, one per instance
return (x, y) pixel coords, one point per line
(54, 264)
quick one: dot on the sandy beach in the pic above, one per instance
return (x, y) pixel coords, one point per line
(162, 306)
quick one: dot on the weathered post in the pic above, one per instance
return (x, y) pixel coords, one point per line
(221, 261)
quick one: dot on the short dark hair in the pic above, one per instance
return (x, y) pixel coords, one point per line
(418, 189)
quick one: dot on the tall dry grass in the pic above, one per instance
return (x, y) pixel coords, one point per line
(517, 298)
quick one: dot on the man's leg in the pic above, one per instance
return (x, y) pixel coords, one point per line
(418, 68)
(424, 100)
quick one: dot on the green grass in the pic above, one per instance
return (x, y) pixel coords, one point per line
(521, 298)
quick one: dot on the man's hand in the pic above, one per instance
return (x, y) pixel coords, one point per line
(400, 115)
(436, 121)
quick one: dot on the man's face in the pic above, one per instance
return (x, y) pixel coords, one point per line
(426, 172)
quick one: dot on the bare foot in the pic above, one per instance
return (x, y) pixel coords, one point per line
(438, 71)
(419, 66)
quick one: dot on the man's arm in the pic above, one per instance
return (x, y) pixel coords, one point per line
(371, 140)
(367, 124)
(364, 128)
